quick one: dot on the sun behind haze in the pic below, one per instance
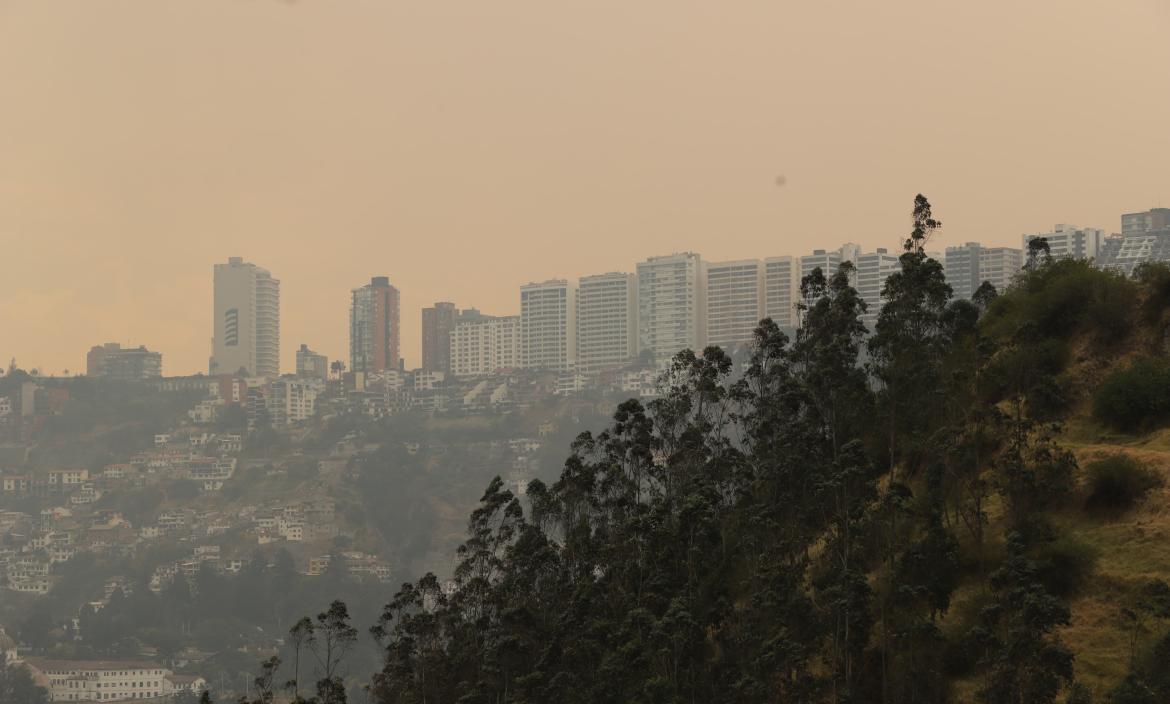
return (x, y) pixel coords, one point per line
(465, 148)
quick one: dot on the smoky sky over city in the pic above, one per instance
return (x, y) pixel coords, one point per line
(647, 352)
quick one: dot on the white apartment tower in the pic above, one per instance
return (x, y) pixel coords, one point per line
(548, 326)
(970, 264)
(829, 260)
(735, 302)
(873, 268)
(999, 265)
(483, 344)
(671, 305)
(782, 290)
(607, 321)
(1071, 242)
(246, 320)
(291, 400)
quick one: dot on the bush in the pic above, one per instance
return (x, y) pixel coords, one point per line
(1065, 565)
(1119, 482)
(1133, 690)
(1155, 279)
(1135, 398)
(1063, 298)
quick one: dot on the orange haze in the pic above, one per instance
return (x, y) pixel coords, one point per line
(466, 147)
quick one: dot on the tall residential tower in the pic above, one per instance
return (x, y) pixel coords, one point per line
(607, 321)
(374, 333)
(735, 302)
(437, 323)
(246, 320)
(672, 305)
(548, 325)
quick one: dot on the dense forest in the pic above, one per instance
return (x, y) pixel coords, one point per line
(848, 516)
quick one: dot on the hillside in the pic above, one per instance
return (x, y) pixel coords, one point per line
(977, 511)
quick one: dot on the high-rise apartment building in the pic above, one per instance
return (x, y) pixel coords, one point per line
(607, 321)
(1150, 220)
(963, 271)
(1145, 237)
(782, 290)
(828, 260)
(548, 325)
(246, 320)
(311, 365)
(735, 302)
(671, 305)
(291, 400)
(873, 268)
(374, 332)
(969, 265)
(483, 344)
(1071, 242)
(112, 361)
(437, 323)
(998, 266)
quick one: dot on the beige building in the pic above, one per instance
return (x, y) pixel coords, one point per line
(105, 680)
(607, 321)
(672, 307)
(548, 325)
(735, 302)
(483, 344)
(782, 290)
(246, 320)
(311, 365)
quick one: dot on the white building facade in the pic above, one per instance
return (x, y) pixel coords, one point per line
(607, 321)
(292, 399)
(548, 325)
(1071, 242)
(671, 305)
(246, 320)
(101, 680)
(482, 344)
(782, 290)
(873, 268)
(735, 302)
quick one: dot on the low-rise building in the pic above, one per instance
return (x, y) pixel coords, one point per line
(101, 680)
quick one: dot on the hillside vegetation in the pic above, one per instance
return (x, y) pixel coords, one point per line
(969, 504)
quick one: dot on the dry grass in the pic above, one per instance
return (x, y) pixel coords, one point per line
(1131, 550)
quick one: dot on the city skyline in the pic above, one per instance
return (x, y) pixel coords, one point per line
(643, 129)
(867, 282)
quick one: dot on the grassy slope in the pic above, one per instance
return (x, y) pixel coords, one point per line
(1131, 550)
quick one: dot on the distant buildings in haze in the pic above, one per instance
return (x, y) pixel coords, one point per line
(735, 302)
(548, 325)
(1145, 237)
(437, 323)
(112, 361)
(1070, 241)
(246, 320)
(671, 305)
(969, 265)
(374, 331)
(311, 365)
(483, 344)
(607, 321)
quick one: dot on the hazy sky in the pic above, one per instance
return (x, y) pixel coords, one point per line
(464, 148)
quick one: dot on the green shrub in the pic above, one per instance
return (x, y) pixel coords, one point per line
(1133, 690)
(1119, 482)
(1155, 279)
(1062, 298)
(1065, 564)
(1135, 398)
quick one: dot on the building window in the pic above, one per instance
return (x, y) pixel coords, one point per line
(231, 327)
